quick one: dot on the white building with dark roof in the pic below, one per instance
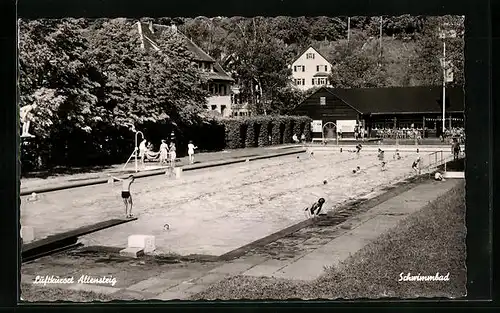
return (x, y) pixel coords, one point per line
(220, 82)
(311, 69)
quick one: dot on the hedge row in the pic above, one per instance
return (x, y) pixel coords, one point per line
(260, 131)
(111, 145)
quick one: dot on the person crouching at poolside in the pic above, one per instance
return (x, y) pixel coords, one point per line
(316, 207)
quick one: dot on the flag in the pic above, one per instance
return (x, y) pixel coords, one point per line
(448, 75)
(447, 33)
(447, 70)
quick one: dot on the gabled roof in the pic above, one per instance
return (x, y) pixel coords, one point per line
(198, 53)
(398, 100)
(220, 74)
(301, 54)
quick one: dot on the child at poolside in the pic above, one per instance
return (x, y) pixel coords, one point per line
(191, 148)
(163, 152)
(438, 176)
(173, 154)
(316, 207)
(126, 196)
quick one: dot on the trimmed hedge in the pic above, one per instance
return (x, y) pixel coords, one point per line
(255, 131)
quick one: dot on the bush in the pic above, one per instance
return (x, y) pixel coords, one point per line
(265, 131)
(232, 133)
(250, 133)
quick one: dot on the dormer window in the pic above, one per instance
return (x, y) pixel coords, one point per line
(310, 56)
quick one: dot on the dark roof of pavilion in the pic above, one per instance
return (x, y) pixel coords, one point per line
(398, 100)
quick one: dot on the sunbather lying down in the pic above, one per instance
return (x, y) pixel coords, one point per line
(151, 155)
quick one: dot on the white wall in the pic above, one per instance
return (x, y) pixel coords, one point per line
(218, 102)
(310, 69)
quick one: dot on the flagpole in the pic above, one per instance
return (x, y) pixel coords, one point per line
(348, 29)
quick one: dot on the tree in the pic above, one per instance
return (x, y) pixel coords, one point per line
(260, 66)
(426, 67)
(146, 86)
(56, 73)
(357, 64)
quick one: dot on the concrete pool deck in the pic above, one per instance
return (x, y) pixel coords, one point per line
(203, 160)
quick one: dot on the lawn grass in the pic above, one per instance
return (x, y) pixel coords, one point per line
(33, 293)
(429, 241)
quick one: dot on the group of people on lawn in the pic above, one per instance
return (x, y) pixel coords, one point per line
(167, 153)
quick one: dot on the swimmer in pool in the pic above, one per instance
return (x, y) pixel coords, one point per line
(316, 207)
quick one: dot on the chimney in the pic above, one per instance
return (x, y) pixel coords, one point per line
(174, 28)
(151, 27)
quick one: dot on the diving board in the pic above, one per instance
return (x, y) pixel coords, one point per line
(69, 238)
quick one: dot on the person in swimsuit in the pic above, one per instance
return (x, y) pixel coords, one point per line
(396, 155)
(358, 149)
(191, 148)
(381, 158)
(126, 196)
(438, 176)
(142, 150)
(456, 149)
(416, 165)
(316, 207)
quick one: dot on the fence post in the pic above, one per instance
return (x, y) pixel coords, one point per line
(445, 165)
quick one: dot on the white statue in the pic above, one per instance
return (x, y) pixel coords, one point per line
(26, 116)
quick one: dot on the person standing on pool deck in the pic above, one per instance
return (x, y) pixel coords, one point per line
(142, 150)
(455, 148)
(126, 196)
(163, 152)
(191, 148)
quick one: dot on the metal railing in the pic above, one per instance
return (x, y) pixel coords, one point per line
(435, 160)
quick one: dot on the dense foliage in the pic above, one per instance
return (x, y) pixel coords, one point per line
(259, 131)
(94, 84)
